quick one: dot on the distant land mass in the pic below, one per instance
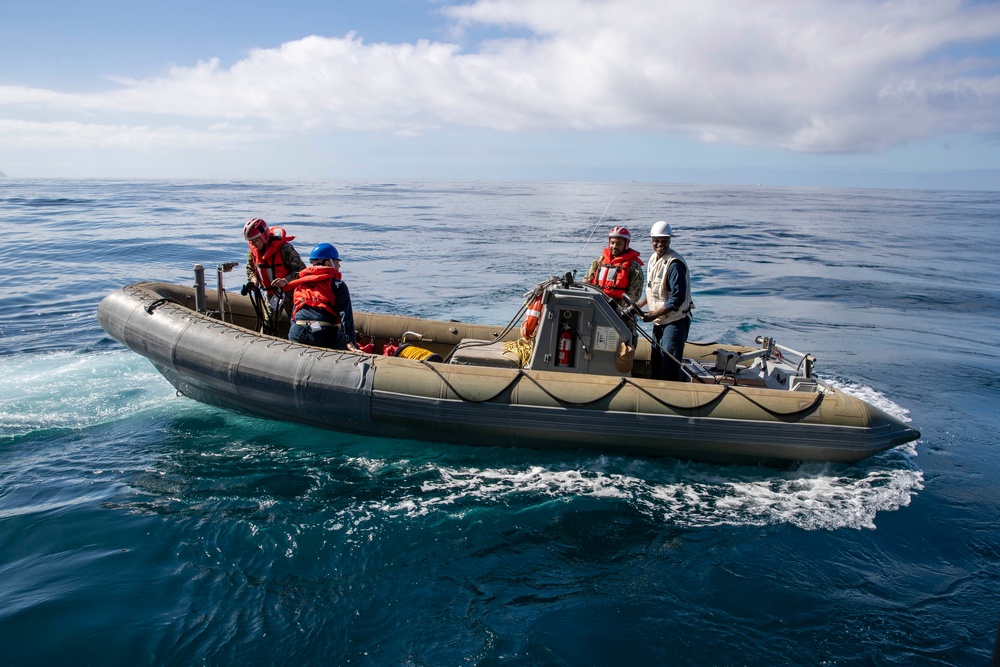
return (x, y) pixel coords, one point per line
(3, 175)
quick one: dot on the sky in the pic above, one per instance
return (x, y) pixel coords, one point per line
(843, 93)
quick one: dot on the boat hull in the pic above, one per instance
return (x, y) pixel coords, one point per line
(225, 364)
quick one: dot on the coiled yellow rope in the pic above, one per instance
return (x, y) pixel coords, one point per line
(520, 347)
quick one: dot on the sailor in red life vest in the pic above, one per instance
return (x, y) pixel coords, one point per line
(322, 314)
(618, 270)
(272, 261)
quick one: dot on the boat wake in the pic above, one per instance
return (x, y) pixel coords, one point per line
(817, 497)
(73, 390)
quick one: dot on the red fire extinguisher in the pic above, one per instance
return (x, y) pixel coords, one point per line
(565, 351)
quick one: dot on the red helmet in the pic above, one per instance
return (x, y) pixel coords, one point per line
(255, 227)
(621, 233)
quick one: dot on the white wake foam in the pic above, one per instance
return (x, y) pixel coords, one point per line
(75, 390)
(688, 495)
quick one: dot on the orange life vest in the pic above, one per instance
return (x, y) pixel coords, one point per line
(612, 273)
(314, 288)
(268, 262)
(531, 318)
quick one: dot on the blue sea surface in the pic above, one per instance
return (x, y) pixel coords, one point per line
(138, 527)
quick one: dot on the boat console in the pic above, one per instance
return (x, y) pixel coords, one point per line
(579, 331)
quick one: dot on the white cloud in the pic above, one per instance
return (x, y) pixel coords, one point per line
(806, 75)
(73, 134)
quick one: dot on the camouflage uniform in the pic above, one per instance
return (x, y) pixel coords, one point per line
(294, 264)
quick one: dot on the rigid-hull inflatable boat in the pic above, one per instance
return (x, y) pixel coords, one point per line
(583, 383)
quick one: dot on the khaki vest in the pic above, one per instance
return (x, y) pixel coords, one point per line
(658, 291)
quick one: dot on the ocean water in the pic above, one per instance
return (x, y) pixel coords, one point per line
(138, 527)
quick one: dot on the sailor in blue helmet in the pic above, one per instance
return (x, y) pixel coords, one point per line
(322, 313)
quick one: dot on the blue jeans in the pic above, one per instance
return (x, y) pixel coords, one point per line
(671, 338)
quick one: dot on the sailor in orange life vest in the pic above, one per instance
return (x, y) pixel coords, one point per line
(618, 270)
(323, 315)
(272, 260)
(668, 295)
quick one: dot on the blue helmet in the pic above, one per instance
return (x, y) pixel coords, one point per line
(324, 251)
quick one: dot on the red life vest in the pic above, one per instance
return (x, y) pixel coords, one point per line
(314, 288)
(612, 273)
(268, 262)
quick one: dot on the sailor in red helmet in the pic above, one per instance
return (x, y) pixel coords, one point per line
(272, 261)
(618, 271)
